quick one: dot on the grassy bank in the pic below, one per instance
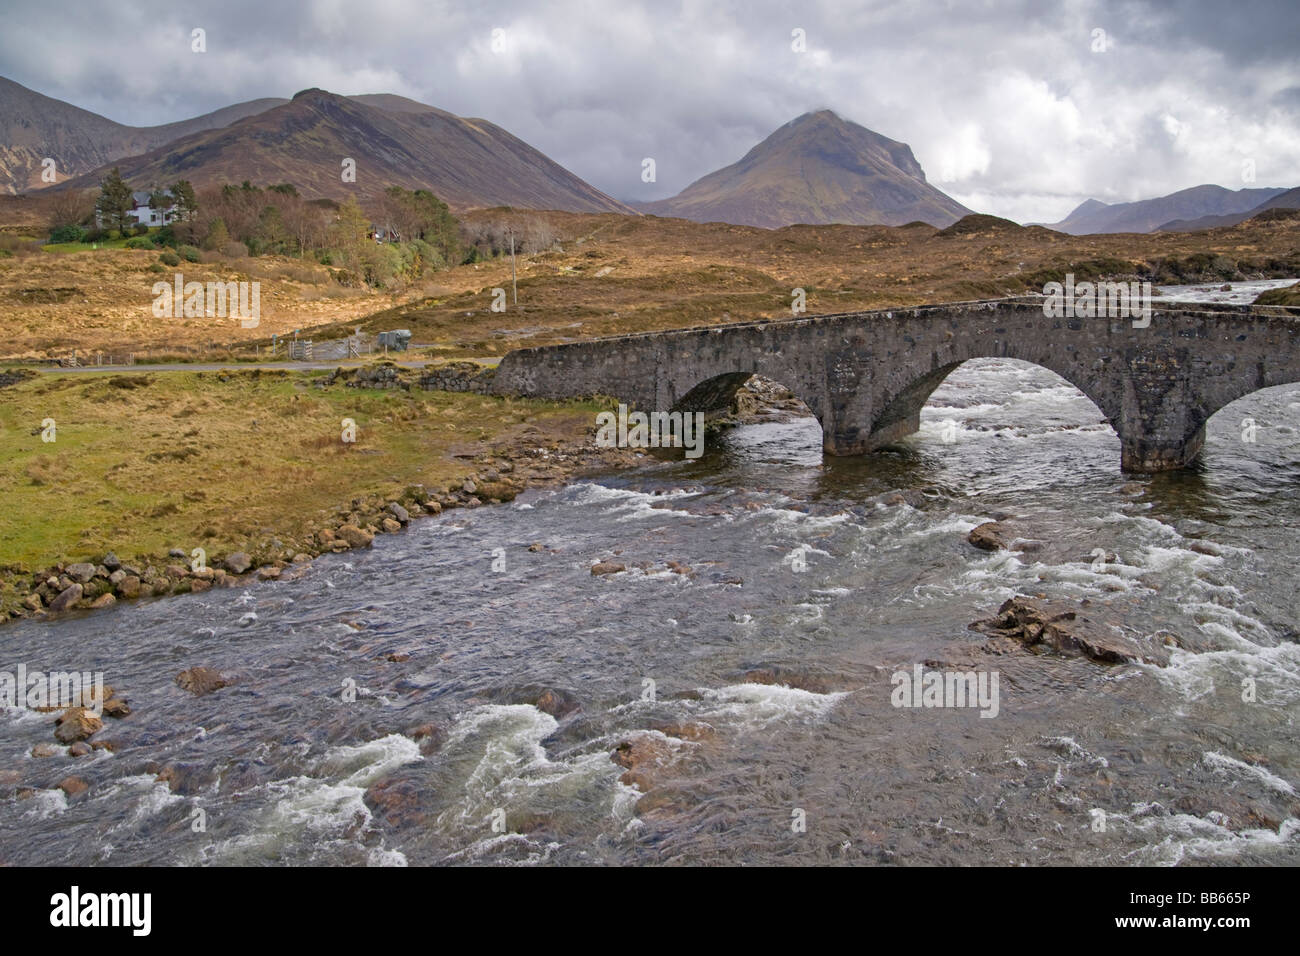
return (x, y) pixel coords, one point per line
(242, 460)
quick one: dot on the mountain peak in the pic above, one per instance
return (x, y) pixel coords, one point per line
(412, 145)
(817, 168)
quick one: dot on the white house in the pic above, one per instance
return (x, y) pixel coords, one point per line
(141, 212)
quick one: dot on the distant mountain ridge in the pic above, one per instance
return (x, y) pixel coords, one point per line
(816, 169)
(394, 141)
(1287, 200)
(1148, 215)
(34, 126)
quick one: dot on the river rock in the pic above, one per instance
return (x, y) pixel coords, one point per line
(398, 512)
(111, 562)
(67, 598)
(396, 801)
(201, 680)
(129, 586)
(557, 703)
(355, 537)
(76, 723)
(73, 786)
(989, 536)
(80, 749)
(104, 600)
(81, 572)
(606, 567)
(391, 525)
(430, 737)
(1067, 631)
(33, 602)
(780, 677)
(686, 730)
(46, 750)
(268, 573)
(645, 756)
(237, 563)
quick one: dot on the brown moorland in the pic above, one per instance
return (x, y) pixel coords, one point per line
(612, 274)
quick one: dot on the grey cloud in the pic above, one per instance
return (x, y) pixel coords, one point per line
(1009, 94)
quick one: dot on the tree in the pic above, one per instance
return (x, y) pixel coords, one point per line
(348, 234)
(271, 232)
(187, 203)
(70, 207)
(114, 203)
(218, 236)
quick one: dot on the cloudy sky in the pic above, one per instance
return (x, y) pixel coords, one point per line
(1018, 108)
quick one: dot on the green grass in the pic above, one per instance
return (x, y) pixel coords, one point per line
(85, 246)
(145, 462)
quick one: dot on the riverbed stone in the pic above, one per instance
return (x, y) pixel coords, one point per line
(201, 680)
(67, 598)
(1052, 626)
(989, 536)
(606, 567)
(76, 723)
(398, 512)
(73, 786)
(355, 537)
(237, 563)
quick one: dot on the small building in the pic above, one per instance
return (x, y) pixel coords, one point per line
(142, 212)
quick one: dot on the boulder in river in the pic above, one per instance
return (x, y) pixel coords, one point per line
(557, 703)
(1065, 630)
(989, 536)
(606, 567)
(644, 756)
(76, 723)
(73, 786)
(201, 680)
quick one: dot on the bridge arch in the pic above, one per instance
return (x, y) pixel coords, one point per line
(893, 407)
(902, 415)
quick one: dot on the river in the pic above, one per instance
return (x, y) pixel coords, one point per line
(1083, 763)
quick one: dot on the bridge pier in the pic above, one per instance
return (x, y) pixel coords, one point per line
(1151, 453)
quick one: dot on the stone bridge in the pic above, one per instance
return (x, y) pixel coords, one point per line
(866, 375)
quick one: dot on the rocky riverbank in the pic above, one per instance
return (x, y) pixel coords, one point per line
(496, 476)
